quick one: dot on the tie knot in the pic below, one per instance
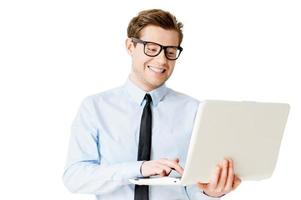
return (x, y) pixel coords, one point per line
(148, 98)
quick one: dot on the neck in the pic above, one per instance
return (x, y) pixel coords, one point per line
(139, 83)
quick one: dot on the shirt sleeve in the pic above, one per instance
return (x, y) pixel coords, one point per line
(194, 193)
(83, 172)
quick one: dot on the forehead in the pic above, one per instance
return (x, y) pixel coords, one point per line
(159, 35)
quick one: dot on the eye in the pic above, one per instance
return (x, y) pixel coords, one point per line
(171, 51)
(152, 49)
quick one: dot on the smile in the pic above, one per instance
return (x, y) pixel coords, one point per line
(156, 69)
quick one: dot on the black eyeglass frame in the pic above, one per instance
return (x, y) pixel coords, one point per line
(136, 40)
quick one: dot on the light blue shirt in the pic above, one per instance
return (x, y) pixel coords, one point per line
(104, 142)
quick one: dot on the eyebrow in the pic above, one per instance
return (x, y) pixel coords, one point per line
(157, 43)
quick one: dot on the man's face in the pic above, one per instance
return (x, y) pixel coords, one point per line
(151, 72)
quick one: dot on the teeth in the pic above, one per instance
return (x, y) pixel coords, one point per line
(158, 70)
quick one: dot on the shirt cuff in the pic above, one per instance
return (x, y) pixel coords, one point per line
(211, 196)
(128, 170)
(196, 193)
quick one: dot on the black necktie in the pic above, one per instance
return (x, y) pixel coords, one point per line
(144, 147)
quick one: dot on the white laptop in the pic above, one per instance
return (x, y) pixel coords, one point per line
(248, 132)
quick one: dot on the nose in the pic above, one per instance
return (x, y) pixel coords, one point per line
(161, 58)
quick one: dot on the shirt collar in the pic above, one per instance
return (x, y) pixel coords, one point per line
(137, 94)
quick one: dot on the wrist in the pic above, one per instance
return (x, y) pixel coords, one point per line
(141, 168)
(212, 195)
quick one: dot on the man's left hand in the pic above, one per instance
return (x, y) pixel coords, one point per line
(223, 180)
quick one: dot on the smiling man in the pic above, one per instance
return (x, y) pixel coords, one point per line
(153, 55)
(141, 128)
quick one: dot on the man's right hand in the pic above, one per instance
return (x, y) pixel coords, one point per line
(161, 167)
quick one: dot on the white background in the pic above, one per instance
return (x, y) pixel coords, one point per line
(54, 53)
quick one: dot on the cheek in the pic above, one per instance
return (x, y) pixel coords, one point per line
(171, 67)
(141, 61)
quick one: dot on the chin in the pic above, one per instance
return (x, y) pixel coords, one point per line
(156, 84)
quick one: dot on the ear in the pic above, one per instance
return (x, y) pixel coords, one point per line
(129, 45)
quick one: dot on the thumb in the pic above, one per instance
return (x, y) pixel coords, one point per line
(237, 182)
(203, 186)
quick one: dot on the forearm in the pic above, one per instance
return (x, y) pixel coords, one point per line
(194, 193)
(87, 177)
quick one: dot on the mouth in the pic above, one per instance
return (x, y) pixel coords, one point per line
(156, 69)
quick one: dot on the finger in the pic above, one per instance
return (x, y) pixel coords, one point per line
(203, 186)
(172, 159)
(223, 176)
(236, 183)
(163, 170)
(230, 179)
(215, 177)
(169, 159)
(172, 164)
(160, 171)
(177, 160)
(167, 170)
(180, 169)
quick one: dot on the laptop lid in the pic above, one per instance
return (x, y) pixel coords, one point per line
(248, 132)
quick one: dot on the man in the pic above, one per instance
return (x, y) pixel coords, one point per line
(142, 128)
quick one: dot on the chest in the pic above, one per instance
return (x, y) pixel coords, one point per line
(119, 134)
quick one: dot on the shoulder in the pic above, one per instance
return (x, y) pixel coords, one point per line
(103, 96)
(181, 98)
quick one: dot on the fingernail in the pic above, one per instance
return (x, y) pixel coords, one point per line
(225, 162)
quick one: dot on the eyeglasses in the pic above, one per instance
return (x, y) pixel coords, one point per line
(153, 49)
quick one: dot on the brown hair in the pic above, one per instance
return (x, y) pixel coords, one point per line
(155, 17)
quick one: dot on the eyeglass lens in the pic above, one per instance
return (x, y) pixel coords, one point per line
(153, 49)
